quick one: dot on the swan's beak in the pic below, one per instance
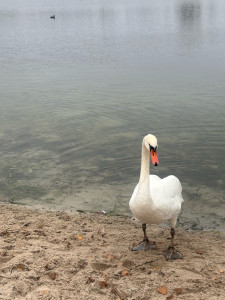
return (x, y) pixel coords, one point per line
(154, 157)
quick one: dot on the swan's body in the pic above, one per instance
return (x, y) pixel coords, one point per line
(162, 204)
(155, 200)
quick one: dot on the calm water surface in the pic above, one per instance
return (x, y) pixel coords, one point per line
(78, 94)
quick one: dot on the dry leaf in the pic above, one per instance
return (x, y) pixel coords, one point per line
(52, 275)
(200, 252)
(103, 284)
(45, 292)
(20, 266)
(110, 257)
(162, 290)
(37, 278)
(90, 258)
(169, 297)
(79, 237)
(178, 291)
(125, 273)
(155, 269)
(221, 271)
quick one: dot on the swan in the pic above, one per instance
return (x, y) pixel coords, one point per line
(155, 200)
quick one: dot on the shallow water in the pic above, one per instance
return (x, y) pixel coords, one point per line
(78, 94)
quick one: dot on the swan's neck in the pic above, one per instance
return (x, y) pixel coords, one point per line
(145, 171)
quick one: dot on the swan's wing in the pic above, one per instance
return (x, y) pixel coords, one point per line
(166, 188)
(174, 187)
(167, 196)
(154, 179)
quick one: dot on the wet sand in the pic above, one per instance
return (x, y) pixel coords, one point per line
(62, 255)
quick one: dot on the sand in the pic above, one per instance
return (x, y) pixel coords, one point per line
(62, 255)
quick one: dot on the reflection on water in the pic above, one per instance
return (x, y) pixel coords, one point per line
(79, 93)
(190, 13)
(190, 26)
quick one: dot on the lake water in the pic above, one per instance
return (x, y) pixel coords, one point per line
(78, 94)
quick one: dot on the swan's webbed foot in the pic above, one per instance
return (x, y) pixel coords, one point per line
(144, 245)
(172, 254)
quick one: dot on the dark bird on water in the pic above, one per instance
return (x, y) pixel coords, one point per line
(53, 17)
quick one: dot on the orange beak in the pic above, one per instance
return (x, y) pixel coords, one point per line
(154, 157)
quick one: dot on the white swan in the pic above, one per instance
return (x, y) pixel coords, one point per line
(156, 200)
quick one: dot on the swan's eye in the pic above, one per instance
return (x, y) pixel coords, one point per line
(153, 148)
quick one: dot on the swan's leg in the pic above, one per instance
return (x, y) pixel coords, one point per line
(144, 230)
(145, 244)
(172, 232)
(171, 253)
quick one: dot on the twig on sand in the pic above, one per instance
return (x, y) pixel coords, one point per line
(114, 290)
(146, 262)
(6, 277)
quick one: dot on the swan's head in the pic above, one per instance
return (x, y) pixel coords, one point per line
(150, 142)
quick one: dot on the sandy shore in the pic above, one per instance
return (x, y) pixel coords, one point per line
(51, 255)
